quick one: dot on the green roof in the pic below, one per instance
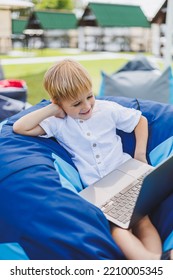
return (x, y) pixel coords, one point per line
(115, 15)
(18, 26)
(56, 20)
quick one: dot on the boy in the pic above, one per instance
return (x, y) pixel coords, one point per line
(87, 129)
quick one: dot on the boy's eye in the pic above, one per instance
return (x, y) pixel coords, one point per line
(90, 96)
(77, 104)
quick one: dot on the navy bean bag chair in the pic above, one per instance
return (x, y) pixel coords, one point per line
(41, 214)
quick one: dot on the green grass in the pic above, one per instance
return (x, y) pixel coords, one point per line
(33, 75)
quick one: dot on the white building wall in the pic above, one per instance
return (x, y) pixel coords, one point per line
(114, 39)
(156, 42)
(5, 31)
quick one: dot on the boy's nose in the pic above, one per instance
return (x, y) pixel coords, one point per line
(86, 106)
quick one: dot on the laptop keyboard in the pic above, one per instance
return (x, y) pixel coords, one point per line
(121, 206)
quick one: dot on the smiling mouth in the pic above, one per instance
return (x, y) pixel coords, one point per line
(86, 112)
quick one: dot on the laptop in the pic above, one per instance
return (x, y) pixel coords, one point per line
(131, 191)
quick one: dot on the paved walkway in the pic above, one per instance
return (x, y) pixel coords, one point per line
(93, 56)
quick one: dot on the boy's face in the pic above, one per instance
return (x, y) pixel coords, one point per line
(80, 108)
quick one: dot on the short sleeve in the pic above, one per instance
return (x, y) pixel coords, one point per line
(126, 118)
(49, 125)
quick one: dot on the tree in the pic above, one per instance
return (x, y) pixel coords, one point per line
(54, 4)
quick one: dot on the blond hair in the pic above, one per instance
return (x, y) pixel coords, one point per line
(67, 80)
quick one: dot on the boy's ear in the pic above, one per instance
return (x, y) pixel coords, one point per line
(54, 101)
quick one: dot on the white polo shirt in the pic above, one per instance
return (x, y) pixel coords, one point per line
(95, 147)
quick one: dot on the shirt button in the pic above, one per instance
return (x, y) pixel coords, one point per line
(94, 145)
(88, 133)
(97, 156)
(81, 121)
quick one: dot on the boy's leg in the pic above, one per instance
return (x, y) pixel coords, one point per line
(148, 235)
(131, 246)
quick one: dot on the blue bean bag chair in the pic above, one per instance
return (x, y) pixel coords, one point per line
(41, 214)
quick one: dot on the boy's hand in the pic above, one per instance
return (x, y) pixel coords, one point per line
(140, 157)
(61, 114)
(57, 111)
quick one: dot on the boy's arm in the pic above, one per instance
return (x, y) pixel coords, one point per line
(141, 135)
(29, 124)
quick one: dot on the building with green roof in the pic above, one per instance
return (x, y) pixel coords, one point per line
(106, 23)
(46, 28)
(53, 20)
(52, 27)
(113, 15)
(102, 26)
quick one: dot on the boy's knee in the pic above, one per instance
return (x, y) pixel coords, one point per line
(144, 222)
